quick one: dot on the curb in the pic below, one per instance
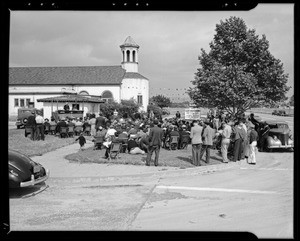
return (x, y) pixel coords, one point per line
(202, 170)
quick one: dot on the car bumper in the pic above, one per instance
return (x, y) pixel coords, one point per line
(281, 146)
(33, 181)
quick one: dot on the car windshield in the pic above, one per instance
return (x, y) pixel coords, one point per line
(279, 126)
(25, 111)
(283, 126)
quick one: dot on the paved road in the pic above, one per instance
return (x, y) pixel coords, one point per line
(230, 197)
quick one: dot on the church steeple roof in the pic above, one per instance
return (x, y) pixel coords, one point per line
(129, 42)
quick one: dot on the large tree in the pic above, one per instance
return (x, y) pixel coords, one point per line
(239, 71)
(291, 102)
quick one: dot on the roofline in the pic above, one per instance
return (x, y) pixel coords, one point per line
(72, 66)
(65, 84)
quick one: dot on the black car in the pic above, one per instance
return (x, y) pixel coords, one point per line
(23, 171)
(279, 136)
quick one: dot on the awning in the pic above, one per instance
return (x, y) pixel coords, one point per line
(72, 99)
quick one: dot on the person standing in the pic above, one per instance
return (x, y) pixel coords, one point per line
(31, 123)
(239, 137)
(178, 115)
(40, 127)
(155, 142)
(100, 121)
(253, 137)
(264, 133)
(254, 121)
(196, 139)
(92, 122)
(208, 135)
(226, 134)
(66, 107)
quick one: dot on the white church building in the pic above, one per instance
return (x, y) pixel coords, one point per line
(45, 86)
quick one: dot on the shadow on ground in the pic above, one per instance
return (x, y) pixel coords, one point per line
(25, 192)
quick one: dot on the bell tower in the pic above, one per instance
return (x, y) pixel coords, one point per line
(130, 55)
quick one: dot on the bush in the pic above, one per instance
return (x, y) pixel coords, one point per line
(126, 107)
(158, 112)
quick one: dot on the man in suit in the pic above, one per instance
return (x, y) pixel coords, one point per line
(31, 123)
(207, 137)
(155, 142)
(196, 139)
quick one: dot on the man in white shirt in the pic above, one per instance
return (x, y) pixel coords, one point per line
(227, 130)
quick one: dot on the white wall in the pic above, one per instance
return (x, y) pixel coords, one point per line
(134, 87)
(130, 67)
(38, 92)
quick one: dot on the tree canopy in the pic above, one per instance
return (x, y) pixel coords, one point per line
(161, 101)
(238, 72)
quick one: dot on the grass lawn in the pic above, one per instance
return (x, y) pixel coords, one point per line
(17, 141)
(173, 158)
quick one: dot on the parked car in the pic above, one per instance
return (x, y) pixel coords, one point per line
(279, 112)
(282, 113)
(23, 171)
(279, 136)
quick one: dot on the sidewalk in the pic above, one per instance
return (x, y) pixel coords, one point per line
(61, 168)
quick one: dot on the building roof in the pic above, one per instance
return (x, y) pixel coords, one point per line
(82, 75)
(133, 75)
(129, 42)
(72, 98)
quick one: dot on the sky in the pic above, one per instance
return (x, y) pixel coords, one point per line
(170, 41)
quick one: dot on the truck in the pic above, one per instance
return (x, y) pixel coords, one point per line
(24, 113)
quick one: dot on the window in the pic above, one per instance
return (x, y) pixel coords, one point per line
(133, 56)
(27, 102)
(75, 106)
(22, 102)
(83, 92)
(107, 96)
(16, 102)
(128, 55)
(140, 99)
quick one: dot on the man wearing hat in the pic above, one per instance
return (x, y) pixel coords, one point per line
(207, 136)
(31, 123)
(155, 142)
(253, 137)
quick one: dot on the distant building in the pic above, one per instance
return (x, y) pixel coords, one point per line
(38, 84)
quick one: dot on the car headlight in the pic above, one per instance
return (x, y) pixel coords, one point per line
(13, 172)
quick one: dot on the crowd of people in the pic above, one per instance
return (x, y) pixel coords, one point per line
(237, 139)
